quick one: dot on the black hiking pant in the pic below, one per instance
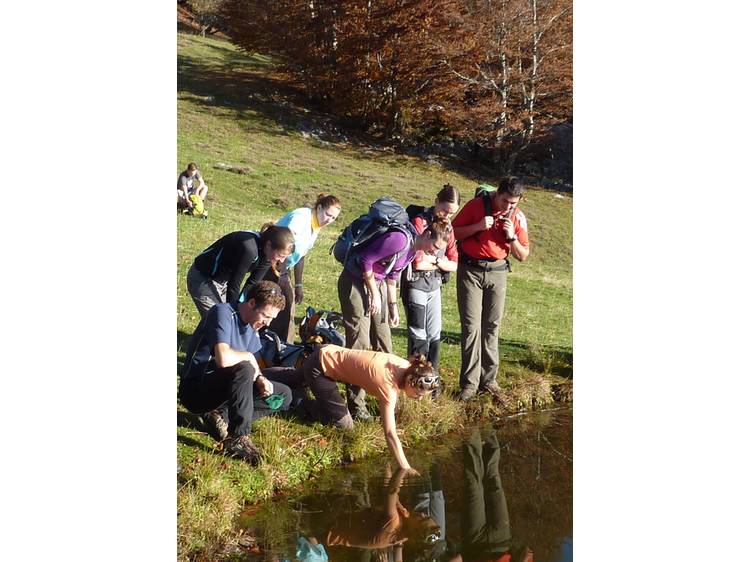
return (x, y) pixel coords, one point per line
(232, 391)
(330, 405)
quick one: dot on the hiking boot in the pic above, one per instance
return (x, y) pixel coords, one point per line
(216, 425)
(241, 448)
(361, 414)
(346, 423)
(467, 394)
(492, 388)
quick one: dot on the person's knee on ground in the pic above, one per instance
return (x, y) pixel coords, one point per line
(182, 203)
(346, 422)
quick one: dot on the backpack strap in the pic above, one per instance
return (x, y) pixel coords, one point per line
(487, 204)
(398, 255)
(487, 201)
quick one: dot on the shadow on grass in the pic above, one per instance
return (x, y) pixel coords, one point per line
(193, 443)
(551, 359)
(188, 420)
(241, 85)
(183, 339)
(252, 84)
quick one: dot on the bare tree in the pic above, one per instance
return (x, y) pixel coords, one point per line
(501, 51)
(208, 14)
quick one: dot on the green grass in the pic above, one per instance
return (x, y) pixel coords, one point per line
(234, 109)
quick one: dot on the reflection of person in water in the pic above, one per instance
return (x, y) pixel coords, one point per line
(370, 528)
(486, 525)
(431, 501)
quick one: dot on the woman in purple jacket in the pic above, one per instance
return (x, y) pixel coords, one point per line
(369, 302)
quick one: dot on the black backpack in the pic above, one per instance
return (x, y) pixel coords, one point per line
(317, 328)
(384, 215)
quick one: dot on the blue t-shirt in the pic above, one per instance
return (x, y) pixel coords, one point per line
(222, 324)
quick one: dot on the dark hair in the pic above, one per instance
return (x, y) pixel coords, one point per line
(421, 374)
(511, 185)
(280, 237)
(449, 194)
(192, 166)
(266, 293)
(439, 229)
(326, 201)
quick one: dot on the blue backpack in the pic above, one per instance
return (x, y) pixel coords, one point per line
(384, 215)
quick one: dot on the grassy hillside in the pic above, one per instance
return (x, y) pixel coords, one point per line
(235, 109)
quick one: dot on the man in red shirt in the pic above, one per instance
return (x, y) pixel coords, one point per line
(485, 241)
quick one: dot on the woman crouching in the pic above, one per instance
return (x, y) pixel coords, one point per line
(382, 375)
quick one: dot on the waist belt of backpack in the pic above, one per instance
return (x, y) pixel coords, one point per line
(485, 265)
(425, 274)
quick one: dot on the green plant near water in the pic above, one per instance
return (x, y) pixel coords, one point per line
(233, 109)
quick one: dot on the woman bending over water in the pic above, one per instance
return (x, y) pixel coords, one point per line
(381, 374)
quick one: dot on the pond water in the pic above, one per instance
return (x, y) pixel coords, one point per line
(494, 493)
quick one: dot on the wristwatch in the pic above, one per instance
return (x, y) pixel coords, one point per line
(512, 239)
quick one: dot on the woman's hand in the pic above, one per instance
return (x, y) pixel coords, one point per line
(375, 303)
(393, 318)
(299, 294)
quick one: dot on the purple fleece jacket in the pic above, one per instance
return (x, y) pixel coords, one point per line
(382, 248)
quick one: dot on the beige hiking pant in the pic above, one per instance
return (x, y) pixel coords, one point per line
(363, 331)
(481, 302)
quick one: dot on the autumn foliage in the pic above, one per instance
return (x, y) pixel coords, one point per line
(494, 73)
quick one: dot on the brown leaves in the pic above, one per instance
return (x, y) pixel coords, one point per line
(495, 73)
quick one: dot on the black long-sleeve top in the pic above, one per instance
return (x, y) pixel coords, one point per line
(231, 257)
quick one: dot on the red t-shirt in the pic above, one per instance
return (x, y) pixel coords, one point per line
(491, 243)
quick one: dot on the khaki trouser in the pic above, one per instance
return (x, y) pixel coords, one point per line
(363, 331)
(486, 523)
(481, 302)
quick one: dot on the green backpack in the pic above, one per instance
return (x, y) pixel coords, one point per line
(484, 188)
(486, 191)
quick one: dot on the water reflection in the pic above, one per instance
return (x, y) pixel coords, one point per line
(384, 529)
(486, 524)
(489, 495)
